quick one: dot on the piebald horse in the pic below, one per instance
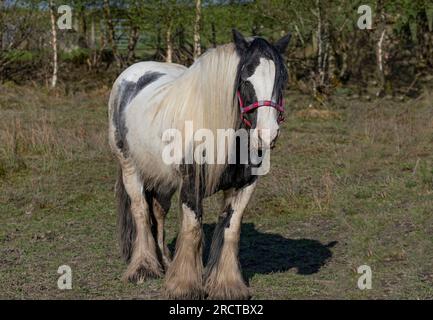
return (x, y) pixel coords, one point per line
(233, 86)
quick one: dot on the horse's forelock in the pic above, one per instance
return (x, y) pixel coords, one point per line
(259, 48)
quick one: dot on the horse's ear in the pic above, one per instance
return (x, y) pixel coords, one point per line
(282, 44)
(240, 42)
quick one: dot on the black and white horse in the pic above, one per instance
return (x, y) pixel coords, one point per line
(234, 86)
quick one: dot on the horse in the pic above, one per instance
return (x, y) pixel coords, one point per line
(238, 85)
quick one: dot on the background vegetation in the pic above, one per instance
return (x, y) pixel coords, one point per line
(328, 50)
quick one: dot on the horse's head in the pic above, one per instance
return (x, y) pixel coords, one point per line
(262, 76)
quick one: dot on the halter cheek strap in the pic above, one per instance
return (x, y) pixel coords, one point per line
(262, 103)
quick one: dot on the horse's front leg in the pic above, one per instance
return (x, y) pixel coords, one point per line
(184, 279)
(223, 273)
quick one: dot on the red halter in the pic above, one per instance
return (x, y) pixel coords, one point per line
(263, 103)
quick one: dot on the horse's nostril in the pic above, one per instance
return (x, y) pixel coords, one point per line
(274, 139)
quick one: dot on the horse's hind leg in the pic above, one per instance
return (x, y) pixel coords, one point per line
(138, 243)
(223, 273)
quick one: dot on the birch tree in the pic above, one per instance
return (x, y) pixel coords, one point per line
(197, 29)
(169, 42)
(53, 43)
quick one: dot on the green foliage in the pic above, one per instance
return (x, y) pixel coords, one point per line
(19, 56)
(76, 56)
(407, 13)
(160, 21)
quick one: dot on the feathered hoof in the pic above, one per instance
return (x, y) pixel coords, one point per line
(178, 290)
(227, 291)
(138, 273)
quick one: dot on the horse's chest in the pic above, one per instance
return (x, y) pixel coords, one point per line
(236, 176)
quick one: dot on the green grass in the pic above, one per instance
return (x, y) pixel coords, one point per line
(351, 186)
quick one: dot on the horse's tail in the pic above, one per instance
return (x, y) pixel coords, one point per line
(125, 220)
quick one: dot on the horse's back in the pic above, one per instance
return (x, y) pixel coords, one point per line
(138, 70)
(137, 78)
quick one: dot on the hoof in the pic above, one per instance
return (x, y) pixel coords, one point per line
(180, 290)
(140, 272)
(227, 291)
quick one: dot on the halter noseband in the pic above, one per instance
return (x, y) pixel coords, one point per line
(262, 103)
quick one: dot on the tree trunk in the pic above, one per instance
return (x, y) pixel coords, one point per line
(132, 42)
(380, 48)
(380, 63)
(95, 58)
(169, 43)
(54, 44)
(112, 34)
(197, 45)
(321, 45)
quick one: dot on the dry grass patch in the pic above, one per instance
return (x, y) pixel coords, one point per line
(314, 113)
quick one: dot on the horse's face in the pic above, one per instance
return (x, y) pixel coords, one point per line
(262, 76)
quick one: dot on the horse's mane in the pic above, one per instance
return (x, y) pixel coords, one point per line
(205, 95)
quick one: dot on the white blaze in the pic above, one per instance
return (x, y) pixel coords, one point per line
(263, 82)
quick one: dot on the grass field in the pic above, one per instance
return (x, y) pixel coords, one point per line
(350, 184)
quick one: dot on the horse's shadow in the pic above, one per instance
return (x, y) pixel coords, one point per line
(264, 253)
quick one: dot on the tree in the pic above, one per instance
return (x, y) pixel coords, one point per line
(53, 42)
(197, 29)
(112, 34)
(20, 21)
